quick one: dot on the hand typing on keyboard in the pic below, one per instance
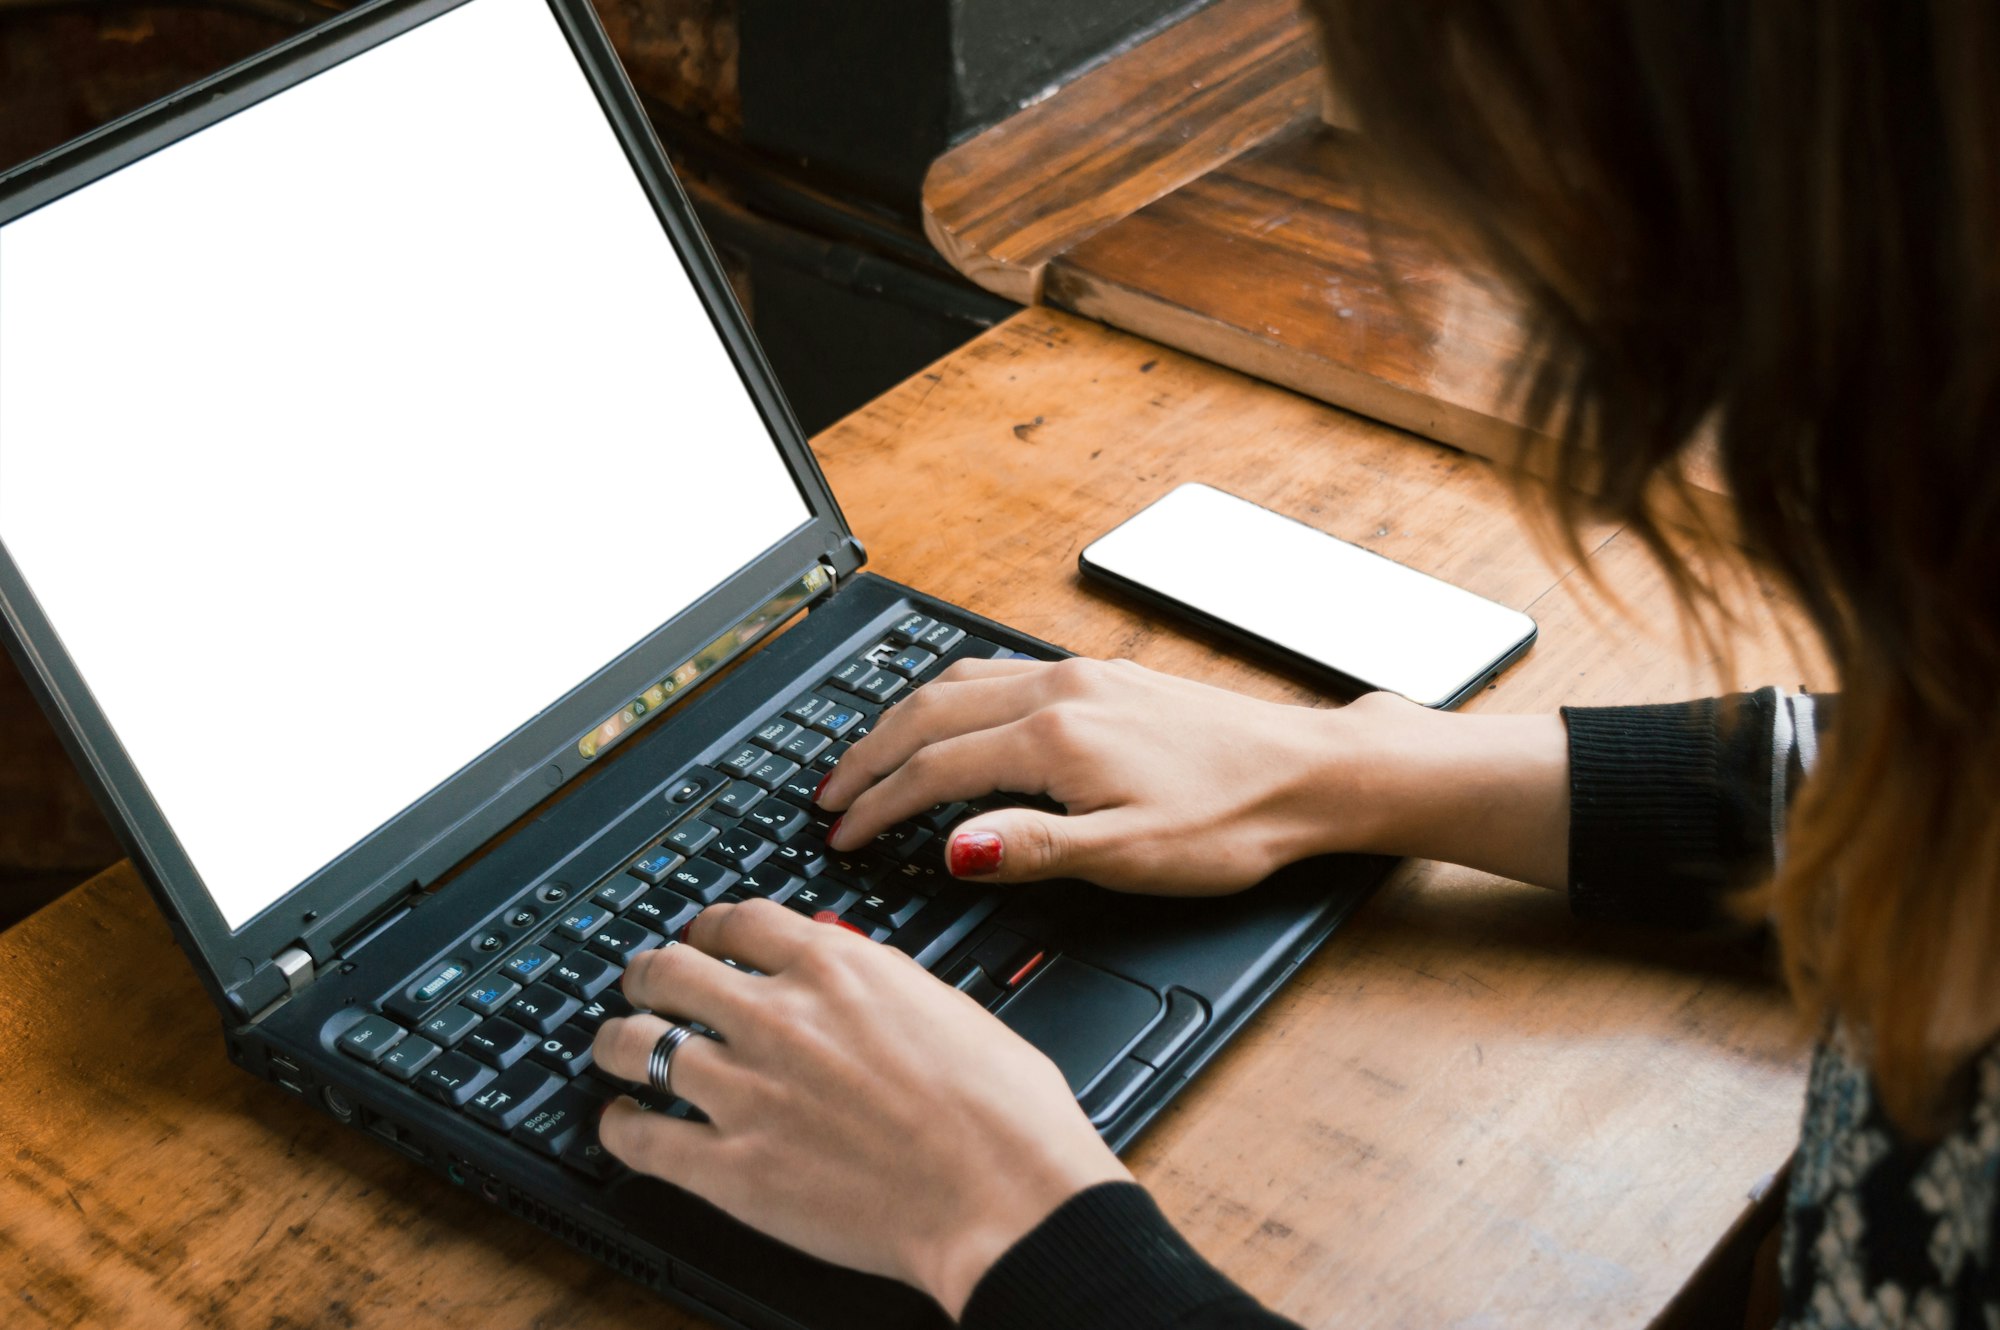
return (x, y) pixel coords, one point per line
(1174, 787)
(857, 1108)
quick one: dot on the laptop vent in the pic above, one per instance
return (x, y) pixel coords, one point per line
(586, 1240)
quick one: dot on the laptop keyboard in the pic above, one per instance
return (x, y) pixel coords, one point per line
(506, 1039)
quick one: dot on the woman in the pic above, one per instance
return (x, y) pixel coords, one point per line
(1776, 226)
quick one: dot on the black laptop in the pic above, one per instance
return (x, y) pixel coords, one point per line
(382, 459)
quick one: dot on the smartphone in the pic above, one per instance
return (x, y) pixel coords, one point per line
(1337, 612)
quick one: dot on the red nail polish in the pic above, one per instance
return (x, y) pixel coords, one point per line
(820, 788)
(834, 830)
(975, 854)
(829, 917)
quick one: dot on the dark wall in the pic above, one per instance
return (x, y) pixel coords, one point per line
(872, 93)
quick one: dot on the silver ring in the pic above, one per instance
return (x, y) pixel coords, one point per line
(660, 1062)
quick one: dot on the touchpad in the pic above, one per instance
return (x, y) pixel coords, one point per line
(1081, 1016)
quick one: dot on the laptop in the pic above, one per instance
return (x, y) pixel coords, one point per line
(402, 527)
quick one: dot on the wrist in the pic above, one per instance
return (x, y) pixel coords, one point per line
(953, 1263)
(1490, 792)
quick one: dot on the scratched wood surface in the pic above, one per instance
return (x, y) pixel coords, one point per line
(1004, 203)
(1467, 1109)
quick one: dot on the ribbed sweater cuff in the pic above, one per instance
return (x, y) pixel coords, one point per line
(1107, 1259)
(1665, 811)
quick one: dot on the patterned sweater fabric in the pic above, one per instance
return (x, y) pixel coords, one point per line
(1672, 807)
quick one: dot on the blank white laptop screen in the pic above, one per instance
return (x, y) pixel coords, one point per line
(342, 438)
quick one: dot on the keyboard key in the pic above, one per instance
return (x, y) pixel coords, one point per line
(741, 850)
(838, 721)
(742, 760)
(889, 907)
(409, 1057)
(702, 880)
(806, 745)
(940, 637)
(616, 894)
(692, 837)
(454, 1078)
(567, 1050)
(769, 882)
(490, 994)
(778, 821)
(371, 1037)
(805, 860)
(505, 1103)
(582, 975)
(608, 1004)
(664, 912)
(542, 1009)
(816, 896)
(585, 919)
(808, 709)
(499, 1043)
(589, 1157)
(881, 686)
(550, 1129)
(653, 866)
(773, 771)
(528, 963)
(449, 1026)
(738, 797)
(940, 816)
(910, 662)
(911, 627)
(800, 788)
(851, 673)
(830, 759)
(621, 940)
(775, 734)
(439, 981)
(903, 844)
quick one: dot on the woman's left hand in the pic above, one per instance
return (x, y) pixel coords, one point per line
(859, 1108)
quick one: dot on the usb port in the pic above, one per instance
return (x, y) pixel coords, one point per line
(284, 1066)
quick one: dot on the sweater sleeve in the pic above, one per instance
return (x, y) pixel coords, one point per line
(1674, 807)
(1107, 1259)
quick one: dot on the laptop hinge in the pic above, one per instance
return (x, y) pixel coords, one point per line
(297, 967)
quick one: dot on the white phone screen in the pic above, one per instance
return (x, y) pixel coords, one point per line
(1352, 611)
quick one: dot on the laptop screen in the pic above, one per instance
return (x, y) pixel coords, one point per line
(343, 437)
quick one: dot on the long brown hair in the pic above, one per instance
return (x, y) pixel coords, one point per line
(1776, 223)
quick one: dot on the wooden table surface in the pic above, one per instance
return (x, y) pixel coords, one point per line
(1189, 190)
(1467, 1109)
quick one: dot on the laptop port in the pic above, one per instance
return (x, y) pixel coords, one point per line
(284, 1066)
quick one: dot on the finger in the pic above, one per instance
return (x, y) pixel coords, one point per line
(698, 1071)
(964, 767)
(671, 1149)
(759, 933)
(1028, 845)
(943, 710)
(680, 981)
(974, 667)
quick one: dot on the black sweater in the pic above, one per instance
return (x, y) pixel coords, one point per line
(1670, 807)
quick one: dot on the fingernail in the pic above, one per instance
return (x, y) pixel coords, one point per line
(834, 830)
(829, 917)
(975, 854)
(820, 788)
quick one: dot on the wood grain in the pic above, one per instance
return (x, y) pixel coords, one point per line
(1005, 202)
(1467, 1109)
(1285, 263)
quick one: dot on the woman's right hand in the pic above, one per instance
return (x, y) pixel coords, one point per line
(1174, 787)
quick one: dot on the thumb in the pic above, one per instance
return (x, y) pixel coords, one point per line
(1027, 845)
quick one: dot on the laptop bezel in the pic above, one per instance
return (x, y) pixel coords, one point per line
(420, 844)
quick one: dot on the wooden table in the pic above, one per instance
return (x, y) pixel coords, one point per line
(1466, 1109)
(1191, 191)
